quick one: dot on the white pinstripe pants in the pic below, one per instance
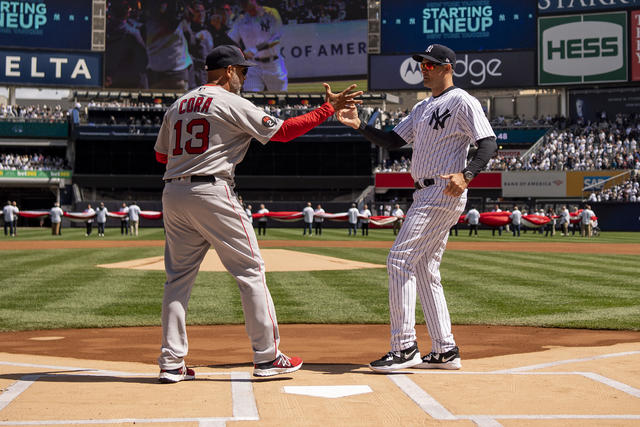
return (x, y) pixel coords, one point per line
(414, 264)
(196, 217)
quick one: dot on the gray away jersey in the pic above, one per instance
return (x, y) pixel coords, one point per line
(208, 131)
(441, 130)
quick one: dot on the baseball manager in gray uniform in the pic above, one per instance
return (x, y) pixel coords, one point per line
(204, 135)
(441, 129)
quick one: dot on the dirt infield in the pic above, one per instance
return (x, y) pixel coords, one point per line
(561, 247)
(510, 377)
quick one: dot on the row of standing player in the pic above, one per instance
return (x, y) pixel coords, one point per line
(586, 223)
(201, 142)
(128, 223)
(10, 216)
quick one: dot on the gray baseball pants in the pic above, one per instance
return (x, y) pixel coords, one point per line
(198, 216)
(414, 265)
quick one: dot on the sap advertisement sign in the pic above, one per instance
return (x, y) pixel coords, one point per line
(51, 68)
(410, 26)
(575, 49)
(473, 70)
(46, 24)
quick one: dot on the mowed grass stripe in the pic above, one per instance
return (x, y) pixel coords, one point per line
(328, 296)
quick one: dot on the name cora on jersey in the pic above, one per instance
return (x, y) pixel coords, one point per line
(195, 104)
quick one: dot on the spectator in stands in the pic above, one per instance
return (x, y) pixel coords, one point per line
(134, 219)
(262, 221)
(352, 219)
(399, 214)
(516, 220)
(124, 220)
(101, 218)
(89, 222)
(307, 216)
(365, 214)
(8, 215)
(318, 220)
(56, 219)
(126, 54)
(473, 219)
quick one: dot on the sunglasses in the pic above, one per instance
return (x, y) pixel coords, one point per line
(428, 66)
(244, 70)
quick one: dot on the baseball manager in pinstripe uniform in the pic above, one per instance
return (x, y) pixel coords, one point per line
(441, 130)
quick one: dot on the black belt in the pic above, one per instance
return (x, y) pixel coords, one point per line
(193, 178)
(424, 183)
(266, 59)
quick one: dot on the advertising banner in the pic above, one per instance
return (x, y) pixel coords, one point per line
(322, 50)
(635, 45)
(50, 68)
(534, 184)
(46, 24)
(518, 136)
(577, 180)
(6, 173)
(589, 103)
(575, 49)
(569, 6)
(473, 70)
(471, 25)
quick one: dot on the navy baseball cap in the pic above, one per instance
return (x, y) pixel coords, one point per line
(438, 54)
(224, 55)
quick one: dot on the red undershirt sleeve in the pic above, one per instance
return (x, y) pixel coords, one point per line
(162, 158)
(297, 126)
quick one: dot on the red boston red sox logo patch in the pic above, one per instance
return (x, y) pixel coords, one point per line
(268, 122)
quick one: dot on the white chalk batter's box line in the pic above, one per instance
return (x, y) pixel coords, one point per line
(437, 411)
(242, 397)
(245, 408)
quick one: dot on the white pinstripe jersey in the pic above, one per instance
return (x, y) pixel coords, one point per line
(441, 129)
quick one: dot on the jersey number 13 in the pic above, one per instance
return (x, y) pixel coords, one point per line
(201, 134)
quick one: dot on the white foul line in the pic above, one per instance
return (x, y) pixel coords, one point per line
(563, 362)
(422, 398)
(612, 383)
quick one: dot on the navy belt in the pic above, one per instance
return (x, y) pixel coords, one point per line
(266, 59)
(424, 183)
(193, 178)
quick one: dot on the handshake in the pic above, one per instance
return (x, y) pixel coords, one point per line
(344, 103)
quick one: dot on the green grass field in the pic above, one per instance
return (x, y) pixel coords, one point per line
(63, 288)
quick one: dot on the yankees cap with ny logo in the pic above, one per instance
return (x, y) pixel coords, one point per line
(438, 54)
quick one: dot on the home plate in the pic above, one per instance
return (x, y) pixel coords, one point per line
(274, 259)
(329, 391)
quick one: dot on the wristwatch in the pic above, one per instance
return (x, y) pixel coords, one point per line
(468, 175)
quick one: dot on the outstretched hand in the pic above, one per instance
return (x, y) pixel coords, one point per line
(349, 116)
(343, 99)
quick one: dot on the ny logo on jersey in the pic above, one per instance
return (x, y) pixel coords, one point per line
(438, 120)
(265, 25)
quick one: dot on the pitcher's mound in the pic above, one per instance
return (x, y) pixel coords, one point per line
(275, 260)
